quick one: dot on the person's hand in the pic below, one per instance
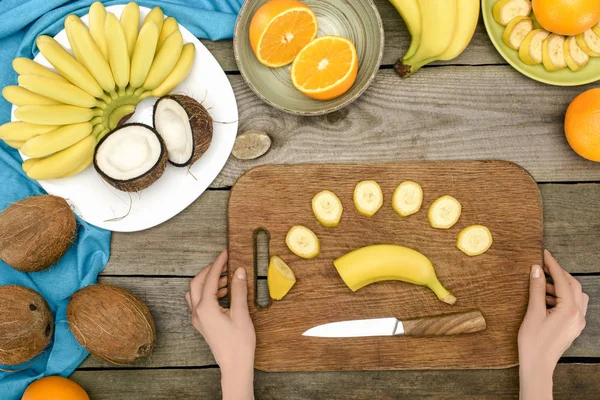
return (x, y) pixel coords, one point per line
(555, 318)
(228, 332)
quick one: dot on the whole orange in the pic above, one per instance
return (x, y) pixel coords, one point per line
(566, 17)
(53, 388)
(582, 125)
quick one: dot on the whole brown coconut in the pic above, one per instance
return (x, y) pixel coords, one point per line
(111, 323)
(26, 324)
(36, 232)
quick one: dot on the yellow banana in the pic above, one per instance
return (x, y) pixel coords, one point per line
(411, 14)
(155, 15)
(91, 56)
(143, 54)
(67, 66)
(118, 114)
(467, 18)
(23, 66)
(371, 264)
(20, 96)
(438, 24)
(55, 115)
(71, 36)
(57, 140)
(130, 21)
(96, 22)
(165, 61)
(14, 144)
(177, 75)
(118, 57)
(22, 131)
(61, 163)
(83, 166)
(62, 92)
(169, 26)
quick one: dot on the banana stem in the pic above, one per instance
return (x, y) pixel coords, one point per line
(441, 292)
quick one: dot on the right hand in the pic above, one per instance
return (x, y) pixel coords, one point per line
(555, 318)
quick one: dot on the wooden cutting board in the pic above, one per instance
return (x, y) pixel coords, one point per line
(498, 194)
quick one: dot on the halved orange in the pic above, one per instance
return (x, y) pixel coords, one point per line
(280, 29)
(326, 68)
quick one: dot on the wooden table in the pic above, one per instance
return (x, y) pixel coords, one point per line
(474, 107)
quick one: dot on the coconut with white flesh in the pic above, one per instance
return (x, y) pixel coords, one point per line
(186, 127)
(131, 157)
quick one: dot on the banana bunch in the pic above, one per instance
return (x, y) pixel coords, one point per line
(115, 65)
(440, 30)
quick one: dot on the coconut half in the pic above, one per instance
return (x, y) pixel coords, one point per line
(185, 126)
(131, 157)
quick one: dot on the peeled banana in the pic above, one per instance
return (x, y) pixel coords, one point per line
(115, 66)
(377, 263)
(474, 240)
(407, 198)
(327, 208)
(368, 198)
(303, 242)
(440, 30)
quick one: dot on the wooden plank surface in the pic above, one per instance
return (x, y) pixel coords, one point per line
(397, 39)
(179, 345)
(453, 113)
(498, 194)
(571, 382)
(183, 245)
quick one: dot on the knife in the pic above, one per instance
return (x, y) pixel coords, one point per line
(448, 324)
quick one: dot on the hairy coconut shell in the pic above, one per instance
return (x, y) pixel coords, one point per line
(111, 323)
(36, 232)
(200, 121)
(26, 324)
(143, 181)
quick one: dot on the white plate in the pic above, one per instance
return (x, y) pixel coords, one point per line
(97, 203)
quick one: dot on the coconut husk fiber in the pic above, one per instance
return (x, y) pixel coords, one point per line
(36, 232)
(111, 323)
(26, 324)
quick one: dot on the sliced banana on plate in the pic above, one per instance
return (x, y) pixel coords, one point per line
(407, 198)
(589, 43)
(444, 212)
(280, 278)
(327, 208)
(474, 240)
(505, 11)
(368, 198)
(553, 53)
(303, 242)
(530, 51)
(516, 30)
(575, 57)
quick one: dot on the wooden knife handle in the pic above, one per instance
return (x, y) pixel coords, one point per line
(449, 324)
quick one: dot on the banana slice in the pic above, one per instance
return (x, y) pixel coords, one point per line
(474, 240)
(516, 31)
(280, 278)
(596, 29)
(303, 242)
(589, 43)
(553, 53)
(368, 198)
(444, 212)
(530, 51)
(407, 198)
(506, 10)
(327, 208)
(574, 56)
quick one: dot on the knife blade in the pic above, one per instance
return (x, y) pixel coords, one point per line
(440, 325)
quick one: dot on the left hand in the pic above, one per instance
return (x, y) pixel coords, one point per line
(228, 332)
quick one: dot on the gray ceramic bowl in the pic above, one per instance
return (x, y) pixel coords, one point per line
(357, 20)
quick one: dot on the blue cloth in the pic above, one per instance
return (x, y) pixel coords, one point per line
(22, 22)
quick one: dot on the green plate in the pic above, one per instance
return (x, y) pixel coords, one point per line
(357, 20)
(564, 77)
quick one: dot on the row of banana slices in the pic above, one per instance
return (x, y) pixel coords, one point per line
(538, 46)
